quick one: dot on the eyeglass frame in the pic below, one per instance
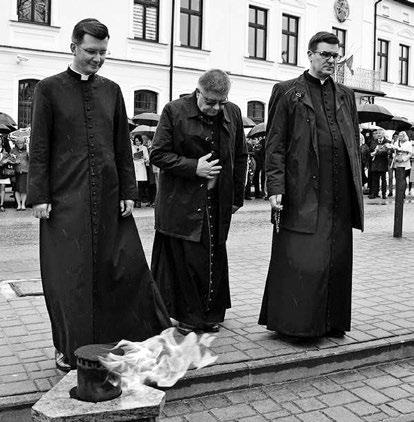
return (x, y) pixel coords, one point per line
(327, 55)
(93, 53)
(210, 102)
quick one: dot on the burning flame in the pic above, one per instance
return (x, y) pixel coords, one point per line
(158, 360)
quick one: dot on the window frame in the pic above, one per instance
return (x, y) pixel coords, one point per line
(256, 26)
(32, 13)
(342, 45)
(191, 12)
(404, 62)
(383, 56)
(251, 107)
(20, 108)
(148, 4)
(289, 35)
(144, 110)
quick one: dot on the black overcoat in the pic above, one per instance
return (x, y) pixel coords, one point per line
(97, 284)
(292, 152)
(179, 141)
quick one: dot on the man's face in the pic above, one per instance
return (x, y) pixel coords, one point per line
(379, 135)
(90, 54)
(320, 65)
(210, 102)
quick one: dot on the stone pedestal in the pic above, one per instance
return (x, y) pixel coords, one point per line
(57, 405)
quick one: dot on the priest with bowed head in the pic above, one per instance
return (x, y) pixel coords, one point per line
(96, 281)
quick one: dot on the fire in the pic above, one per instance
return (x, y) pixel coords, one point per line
(160, 359)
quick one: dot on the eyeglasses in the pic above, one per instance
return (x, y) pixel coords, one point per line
(211, 102)
(328, 54)
(93, 53)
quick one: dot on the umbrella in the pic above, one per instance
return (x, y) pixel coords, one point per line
(258, 130)
(5, 129)
(150, 119)
(396, 123)
(143, 130)
(372, 113)
(131, 124)
(369, 126)
(247, 122)
(5, 119)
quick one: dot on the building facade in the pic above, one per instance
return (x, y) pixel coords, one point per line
(259, 42)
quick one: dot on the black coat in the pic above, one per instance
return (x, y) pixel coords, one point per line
(180, 140)
(97, 284)
(292, 158)
(380, 159)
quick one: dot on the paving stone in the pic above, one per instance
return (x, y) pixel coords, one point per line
(362, 408)
(403, 405)
(396, 393)
(338, 398)
(235, 411)
(265, 406)
(245, 396)
(215, 401)
(309, 404)
(200, 417)
(382, 382)
(316, 416)
(341, 414)
(370, 395)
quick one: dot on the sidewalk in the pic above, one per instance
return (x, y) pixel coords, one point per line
(383, 311)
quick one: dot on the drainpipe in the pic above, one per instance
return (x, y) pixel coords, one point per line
(172, 49)
(375, 34)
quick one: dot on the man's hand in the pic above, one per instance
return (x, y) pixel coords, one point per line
(207, 169)
(41, 210)
(234, 208)
(126, 206)
(276, 202)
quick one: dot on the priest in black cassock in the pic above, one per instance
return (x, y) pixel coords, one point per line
(314, 182)
(97, 284)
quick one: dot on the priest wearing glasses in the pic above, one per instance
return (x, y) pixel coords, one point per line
(200, 148)
(314, 186)
(97, 284)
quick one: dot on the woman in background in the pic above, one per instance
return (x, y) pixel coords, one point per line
(141, 158)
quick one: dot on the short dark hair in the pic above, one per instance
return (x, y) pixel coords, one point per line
(89, 26)
(322, 36)
(215, 80)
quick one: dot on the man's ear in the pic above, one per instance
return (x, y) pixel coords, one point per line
(309, 55)
(73, 48)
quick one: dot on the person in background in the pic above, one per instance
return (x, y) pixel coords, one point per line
(141, 160)
(394, 139)
(365, 159)
(21, 159)
(4, 160)
(379, 165)
(402, 156)
(410, 184)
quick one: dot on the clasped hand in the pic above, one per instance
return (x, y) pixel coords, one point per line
(207, 169)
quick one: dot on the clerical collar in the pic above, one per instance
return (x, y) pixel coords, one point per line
(316, 81)
(78, 75)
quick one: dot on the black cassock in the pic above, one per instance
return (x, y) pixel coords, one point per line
(96, 281)
(309, 284)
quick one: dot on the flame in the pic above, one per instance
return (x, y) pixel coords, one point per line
(158, 360)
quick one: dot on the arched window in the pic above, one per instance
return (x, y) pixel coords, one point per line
(26, 90)
(145, 101)
(256, 111)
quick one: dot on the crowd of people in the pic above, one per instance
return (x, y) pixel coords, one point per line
(14, 166)
(380, 157)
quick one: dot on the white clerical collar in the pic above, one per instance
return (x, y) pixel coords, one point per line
(82, 76)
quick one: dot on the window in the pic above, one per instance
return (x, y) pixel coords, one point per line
(255, 111)
(382, 53)
(404, 57)
(145, 101)
(290, 39)
(145, 19)
(191, 19)
(34, 11)
(341, 34)
(257, 32)
(26, 91)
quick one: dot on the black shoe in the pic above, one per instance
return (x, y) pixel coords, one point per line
(249, 198)
(384, 196)
(211, 328)
(390, 194)
(371, 197)
(185, 329)
(62, 362)
(335, 333)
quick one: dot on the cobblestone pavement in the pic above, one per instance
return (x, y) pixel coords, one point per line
(377, 393)
(382, 301)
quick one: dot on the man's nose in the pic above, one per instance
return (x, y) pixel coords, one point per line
(217, 106)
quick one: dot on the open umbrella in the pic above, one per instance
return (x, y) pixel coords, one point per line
(258, 130)
(149, 119)
(5, 119)
(248, 122)
(143, 130)
(5, 129)
(396, 123)
(373, 113)
(131, 124)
